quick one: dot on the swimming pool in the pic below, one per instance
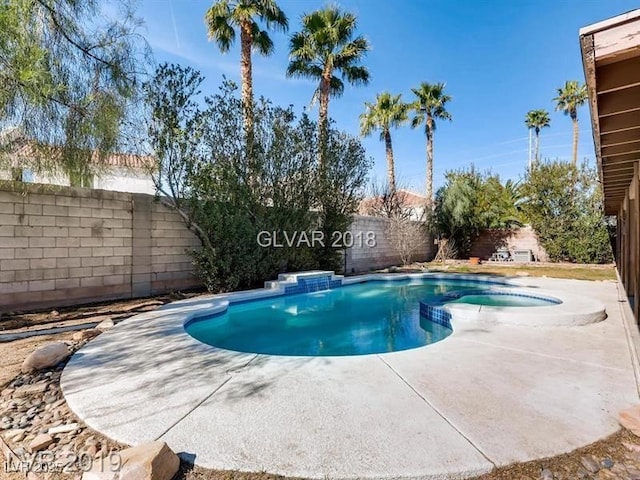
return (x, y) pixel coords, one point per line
(504, 299)
(359, 319)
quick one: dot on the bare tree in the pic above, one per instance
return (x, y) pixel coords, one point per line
(385, 201)
(406, 236)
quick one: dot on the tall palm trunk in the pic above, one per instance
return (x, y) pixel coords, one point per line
(247, 81)
(391, 169)
(323, 120)
(537, 155)
(574, 119)
(429, 180)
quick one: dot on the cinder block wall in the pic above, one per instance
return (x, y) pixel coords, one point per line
(63, 246)
(362, 258)
(523, 238)
(60, 246)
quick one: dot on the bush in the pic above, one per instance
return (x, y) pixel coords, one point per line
(564, 206)
(471, 202)
(228, 192)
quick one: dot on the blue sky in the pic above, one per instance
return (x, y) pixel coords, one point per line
(498, 58)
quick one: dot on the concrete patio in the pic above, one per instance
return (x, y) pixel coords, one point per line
(488, 395)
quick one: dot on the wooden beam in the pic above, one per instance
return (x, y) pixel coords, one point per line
(621, 158)
(620, 138)
(618, 76)
(630, 147)
(618, 167)
(635, 236)
(618, 179)
(589, 67)
(619, 123)
(621, 101)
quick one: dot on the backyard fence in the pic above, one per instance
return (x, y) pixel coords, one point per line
(523, 238)
(62, 246)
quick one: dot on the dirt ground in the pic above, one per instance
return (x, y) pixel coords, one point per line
(564, 467)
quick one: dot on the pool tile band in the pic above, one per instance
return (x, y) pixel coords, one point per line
(310, 285)
(434, 309)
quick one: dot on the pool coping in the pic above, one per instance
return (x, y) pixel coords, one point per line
(96, 379)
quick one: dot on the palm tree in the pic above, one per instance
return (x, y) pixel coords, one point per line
(430, 106)
(387, 112)
(571, 97)
(224, 17)
(537, 119)
(324, 49)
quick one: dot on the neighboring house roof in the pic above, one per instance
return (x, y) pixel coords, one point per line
(411, 199)
(21, 149)
(406, 198)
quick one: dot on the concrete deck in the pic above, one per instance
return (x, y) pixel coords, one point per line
(487, 395)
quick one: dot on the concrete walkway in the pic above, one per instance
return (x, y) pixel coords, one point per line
(488, 395)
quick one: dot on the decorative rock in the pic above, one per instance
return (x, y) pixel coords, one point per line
(46, 356)
(40, 443)
(105, 325)
(546, 474)
(63, 429)
(631, 446)
(149, 461)
(28, 390)
(590, 464)
(86, 334)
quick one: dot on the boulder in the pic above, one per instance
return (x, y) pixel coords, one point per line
(31, 389)
(86, 334)
(149, 461)
(46, 356)
(41, 442)
(630, 419)
(69, 427)
(105, 325)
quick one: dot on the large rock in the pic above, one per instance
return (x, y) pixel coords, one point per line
(149, 461)
(105, 325)
(46, 356)
(86, 334)
(630, 419)
(41, 442)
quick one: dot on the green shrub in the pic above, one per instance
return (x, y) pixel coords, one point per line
(470, 202)
(564, 206)
(229, 192)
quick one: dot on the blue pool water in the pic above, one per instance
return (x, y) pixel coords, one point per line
(371, 317)
(504, 300)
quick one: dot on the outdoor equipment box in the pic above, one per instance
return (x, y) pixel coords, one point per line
(522, 256)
